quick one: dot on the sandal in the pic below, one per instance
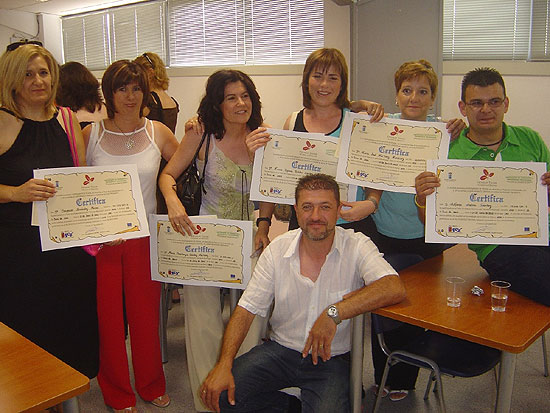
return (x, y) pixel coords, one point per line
(127, 409)
(397, 395)
(384, 393)
(161, 401)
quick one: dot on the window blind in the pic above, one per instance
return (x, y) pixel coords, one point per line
(247, 32)
(485, 30)
(540, 40)
(85, 40)
(198, 32)
(99, 38)
(496, 30)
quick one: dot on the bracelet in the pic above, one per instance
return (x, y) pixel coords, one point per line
(266, 219)
(374, 201)
(417, 204)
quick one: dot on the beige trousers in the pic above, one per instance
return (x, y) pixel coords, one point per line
(204, 332)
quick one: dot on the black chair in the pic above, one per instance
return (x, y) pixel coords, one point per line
(439, 353)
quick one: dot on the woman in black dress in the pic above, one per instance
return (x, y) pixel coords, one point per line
(161, 105)
(48, 297)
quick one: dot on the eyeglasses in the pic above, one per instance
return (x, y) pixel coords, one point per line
(492, 103)
(13, 46)
(148, 59)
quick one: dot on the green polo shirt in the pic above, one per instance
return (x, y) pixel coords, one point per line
(521, 144)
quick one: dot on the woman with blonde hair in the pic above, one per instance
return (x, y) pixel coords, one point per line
(395, 228)
(161, 106)
(47, 296)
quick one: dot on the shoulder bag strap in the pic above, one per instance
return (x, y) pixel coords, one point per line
(205, 159)
(69, 129)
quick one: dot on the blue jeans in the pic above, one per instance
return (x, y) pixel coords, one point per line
(527, 268)
(269, 367)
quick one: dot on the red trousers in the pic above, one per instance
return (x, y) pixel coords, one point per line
(126, 268)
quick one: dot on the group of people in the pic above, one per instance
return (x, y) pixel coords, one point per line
(333, 264)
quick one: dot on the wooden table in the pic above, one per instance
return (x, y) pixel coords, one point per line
(512, 331)
(31, 379)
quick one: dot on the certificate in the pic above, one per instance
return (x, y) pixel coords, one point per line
(389, 154)
(216, 255)
(482, 202)
(286, 158)
(92, 204)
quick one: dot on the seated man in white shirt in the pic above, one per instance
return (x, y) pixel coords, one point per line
(319, 276)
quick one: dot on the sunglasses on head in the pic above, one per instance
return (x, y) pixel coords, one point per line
(13, 46)
(148, 59)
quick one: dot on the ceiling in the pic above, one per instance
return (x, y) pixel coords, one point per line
(60, 7)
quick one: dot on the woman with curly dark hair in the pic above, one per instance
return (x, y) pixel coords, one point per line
(230, 111)
(78, 89)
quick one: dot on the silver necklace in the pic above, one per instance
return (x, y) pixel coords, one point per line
(130, 142)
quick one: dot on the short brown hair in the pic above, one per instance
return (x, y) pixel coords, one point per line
(323, 59)
(153, 61)
(13, 67)
(415, 68)
(78, 88)
(122, 73)
(315, 182)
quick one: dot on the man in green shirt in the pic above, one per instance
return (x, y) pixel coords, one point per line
(484, 103)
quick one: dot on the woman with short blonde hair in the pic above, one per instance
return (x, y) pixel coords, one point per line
(47, 296)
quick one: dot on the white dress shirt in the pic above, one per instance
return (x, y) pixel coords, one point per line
(353, 261)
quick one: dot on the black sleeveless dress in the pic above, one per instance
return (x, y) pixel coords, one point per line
(168, 116)
(48, 297)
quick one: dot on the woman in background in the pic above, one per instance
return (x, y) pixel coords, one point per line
(161, 106)
(123, 267)
(229, 112)
(79, 90)
(47, 296)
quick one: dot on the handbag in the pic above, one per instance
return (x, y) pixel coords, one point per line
(189, 186)
(91, 249)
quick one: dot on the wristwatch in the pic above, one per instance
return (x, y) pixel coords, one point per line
(332, 312)
(266, 219)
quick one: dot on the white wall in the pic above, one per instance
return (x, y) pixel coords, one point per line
(16, 23)
(50, 35)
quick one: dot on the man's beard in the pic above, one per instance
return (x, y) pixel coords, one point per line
(317, 236)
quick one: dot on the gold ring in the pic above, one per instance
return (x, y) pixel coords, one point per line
(321, 345)
(204, 391)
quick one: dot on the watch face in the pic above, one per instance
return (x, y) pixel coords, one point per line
(332, 311)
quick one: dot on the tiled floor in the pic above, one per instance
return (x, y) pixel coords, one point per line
(531, 388)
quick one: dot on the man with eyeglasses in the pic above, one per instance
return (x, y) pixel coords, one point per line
(484, 103)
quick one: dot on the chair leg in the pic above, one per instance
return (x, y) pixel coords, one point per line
(382, 384)
(163, 320)
(71, 406)
(439, 387)
(544, 355)
(429, 385)
(356, 383)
